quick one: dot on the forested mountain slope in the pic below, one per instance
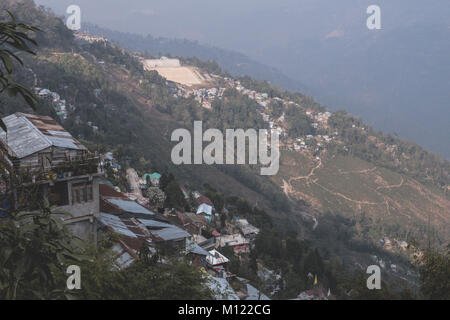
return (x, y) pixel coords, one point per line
(344, 193)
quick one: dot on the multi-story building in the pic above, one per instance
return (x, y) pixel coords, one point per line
(50, 163)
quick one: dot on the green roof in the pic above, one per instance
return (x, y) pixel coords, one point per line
(155, 175)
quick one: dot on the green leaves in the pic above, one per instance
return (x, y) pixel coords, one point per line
(35, 247)
(435, 275)
(14, 40)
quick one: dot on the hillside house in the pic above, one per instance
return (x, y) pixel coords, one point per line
(154, 178)
(155, 228)
(205, 206)
(185, 192)
(196, 253)
(192, 222)
(167, 234)
(231, 240)
(205, 210)
(216, 260)
(44, 154)
(114, 202)
(249, 231)
(131, 237)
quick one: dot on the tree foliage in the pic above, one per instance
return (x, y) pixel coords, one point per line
(34, 247)
(435, 275)
(156, 196)
(14, 40)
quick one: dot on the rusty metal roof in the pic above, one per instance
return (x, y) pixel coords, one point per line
(28, 134)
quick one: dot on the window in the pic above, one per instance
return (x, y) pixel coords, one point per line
(82, 192)
(58, 194)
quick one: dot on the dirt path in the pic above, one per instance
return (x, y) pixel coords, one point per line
(392, 186)
(289, 190)
(307, 177)
(316, 223)
(345, 197)
(360, 171)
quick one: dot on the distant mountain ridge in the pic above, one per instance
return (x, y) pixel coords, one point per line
(235, 63)
(395, 78)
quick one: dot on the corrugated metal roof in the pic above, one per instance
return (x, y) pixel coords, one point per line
(123, 258)
(154, 223)
(192, 247)
(204, 208)
(130, 206)
(115, 223)
(170, 233)
(204, 200)
(216, 258)
(63, 142)
(28, 134)
(106, 189)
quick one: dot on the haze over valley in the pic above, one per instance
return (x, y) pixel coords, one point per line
(396, 78)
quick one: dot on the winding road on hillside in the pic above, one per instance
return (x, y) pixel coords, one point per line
(289, 190)
(307, 177)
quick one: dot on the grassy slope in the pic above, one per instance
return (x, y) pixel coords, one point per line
(398, 205)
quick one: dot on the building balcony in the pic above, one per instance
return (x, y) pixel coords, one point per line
(63, 171)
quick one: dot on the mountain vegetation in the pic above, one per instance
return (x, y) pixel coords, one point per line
(364, 187)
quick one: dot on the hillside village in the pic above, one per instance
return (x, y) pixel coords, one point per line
(205, 96)
(106, 199)
(311, 145)
(76, 182)
(191, 227)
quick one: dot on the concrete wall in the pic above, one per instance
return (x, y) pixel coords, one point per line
(86, 208)
(84, 227)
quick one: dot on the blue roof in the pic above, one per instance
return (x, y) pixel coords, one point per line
(166, 232)
(171, 233)
(154, 223)
(130, 206)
